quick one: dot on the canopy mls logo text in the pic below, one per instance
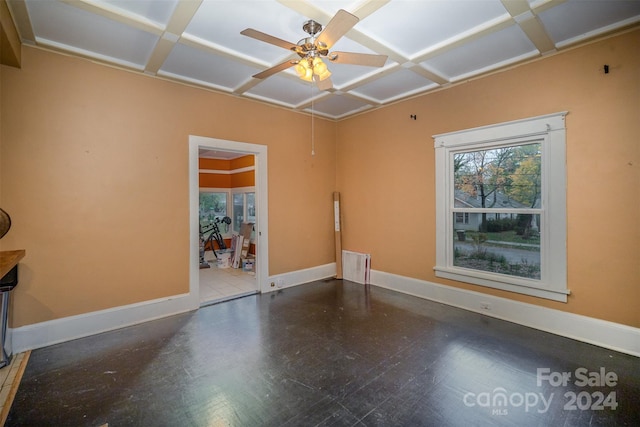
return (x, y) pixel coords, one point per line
(500, 401)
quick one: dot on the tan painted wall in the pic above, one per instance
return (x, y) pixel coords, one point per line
(94, 173)
(386, 168)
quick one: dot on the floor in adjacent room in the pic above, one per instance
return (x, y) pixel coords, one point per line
(220, 284)
(327, 353)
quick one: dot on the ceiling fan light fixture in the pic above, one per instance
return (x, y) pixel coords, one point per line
(310, 67)
(304, 70)
(319, 67)
(324, 76)
(307, 68)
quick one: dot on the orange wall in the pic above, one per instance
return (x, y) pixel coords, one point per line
(242, 162)
(94, 174)
(385, 171)
(215, 180)
(233, 180)
(243, 179)
(215, 164)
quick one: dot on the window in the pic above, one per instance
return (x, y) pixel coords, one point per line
(462, 218)
(213, 204)
(501, 208)
(244, 208)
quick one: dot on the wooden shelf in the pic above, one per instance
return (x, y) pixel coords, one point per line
(9, 259)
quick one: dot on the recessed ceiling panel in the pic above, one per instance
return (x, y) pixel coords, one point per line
(575, 18)
(460, 39)
(346, 74)
(68, 27)
(198, 65)
(153, 10)
(497, 49)
(396, 85)
(339, 105)
(412, 27)
(332, 6)
(343, 74)
(289, 91)
(221, 22)
(345, 44)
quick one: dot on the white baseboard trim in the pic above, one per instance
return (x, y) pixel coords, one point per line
(51, 332)
(614, 336)
(300, 277)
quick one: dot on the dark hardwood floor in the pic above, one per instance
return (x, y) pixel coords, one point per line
(327, 353)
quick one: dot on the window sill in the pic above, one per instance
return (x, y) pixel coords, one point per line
(492, 281)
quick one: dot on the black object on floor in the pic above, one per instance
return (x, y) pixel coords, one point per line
(327, 353)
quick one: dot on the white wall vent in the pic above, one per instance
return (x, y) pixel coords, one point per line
(356, 267)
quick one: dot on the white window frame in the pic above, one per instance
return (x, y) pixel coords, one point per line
(243, 191)
(549, 131)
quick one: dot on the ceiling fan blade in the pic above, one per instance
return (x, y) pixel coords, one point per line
(342, 22)
(259, 35)
(357, 59)
(325, 84)
(273, 70)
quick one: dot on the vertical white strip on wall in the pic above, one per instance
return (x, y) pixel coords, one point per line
(338, 234)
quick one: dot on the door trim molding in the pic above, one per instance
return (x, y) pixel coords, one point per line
(262, 207)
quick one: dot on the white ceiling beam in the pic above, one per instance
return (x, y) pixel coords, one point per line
(161, 51)
(540, 6)
(11, 50)
(308, 10)
(180, 18)
(119, 15)
(362, 98)
(536, 32)
(20, 14)
(248, 85)
(428, 74)
(516, 7)
(530, 24)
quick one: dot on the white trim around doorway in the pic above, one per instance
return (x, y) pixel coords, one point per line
(262, 220)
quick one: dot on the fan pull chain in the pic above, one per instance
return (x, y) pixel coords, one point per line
(313, 142)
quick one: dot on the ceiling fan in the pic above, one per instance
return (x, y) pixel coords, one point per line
(312, 49)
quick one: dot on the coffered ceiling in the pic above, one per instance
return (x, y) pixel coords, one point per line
(429, 43)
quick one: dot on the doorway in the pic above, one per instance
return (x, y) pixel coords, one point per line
(233, 277)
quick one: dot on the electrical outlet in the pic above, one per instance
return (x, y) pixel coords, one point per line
(279, 282)
(485, 306)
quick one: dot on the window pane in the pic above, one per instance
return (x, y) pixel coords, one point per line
(251, 207)
(499, 178)
(511, 244)
(238, 211)
(212, 206)
(251, 212)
